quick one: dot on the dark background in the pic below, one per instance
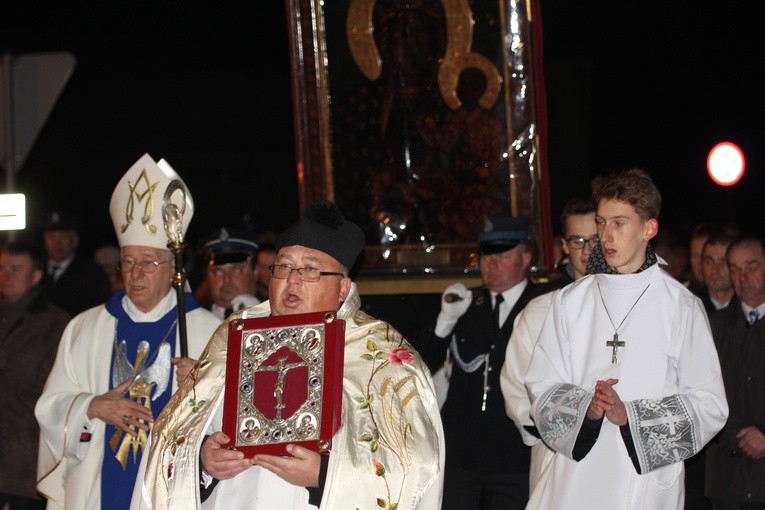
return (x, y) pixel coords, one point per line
(207, 87)
(656, 85)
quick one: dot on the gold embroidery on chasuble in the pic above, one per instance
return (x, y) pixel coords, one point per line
(123, 443)
(145, 378)
(391, 388)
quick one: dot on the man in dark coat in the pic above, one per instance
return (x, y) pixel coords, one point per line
(716, 294)
(736, 457)
(73, 282)
(487, 464)
(30, 328)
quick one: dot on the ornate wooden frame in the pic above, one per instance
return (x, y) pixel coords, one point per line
(339, 52)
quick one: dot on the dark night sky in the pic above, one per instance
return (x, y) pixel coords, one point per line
(207, 88)
(656, 85)
(650, 84)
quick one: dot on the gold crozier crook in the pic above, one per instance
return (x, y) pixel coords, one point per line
(172, 213)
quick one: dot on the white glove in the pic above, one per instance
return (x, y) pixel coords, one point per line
(455, 301)
(243, 301)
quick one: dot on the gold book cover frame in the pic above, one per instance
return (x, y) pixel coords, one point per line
(284, 379)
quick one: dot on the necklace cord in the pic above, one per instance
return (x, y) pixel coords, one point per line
(616, 328)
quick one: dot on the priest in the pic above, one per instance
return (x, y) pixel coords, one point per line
(389, 450)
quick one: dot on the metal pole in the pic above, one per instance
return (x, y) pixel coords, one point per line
(9, 136)
(179, 282)
(6, 72)
(172, 215)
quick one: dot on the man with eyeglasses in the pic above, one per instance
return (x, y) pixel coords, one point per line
(388, 452)
(579, 236)
(232, 272)
(113, 373)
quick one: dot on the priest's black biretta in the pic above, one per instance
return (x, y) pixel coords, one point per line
(324, 228)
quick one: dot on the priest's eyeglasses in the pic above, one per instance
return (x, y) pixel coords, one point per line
(146, 267)
(578, 242)
(306, 274)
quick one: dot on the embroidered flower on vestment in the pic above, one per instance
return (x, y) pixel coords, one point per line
(400, 355)
(389, 392)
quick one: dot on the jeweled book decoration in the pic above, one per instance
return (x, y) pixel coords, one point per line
(284, 381)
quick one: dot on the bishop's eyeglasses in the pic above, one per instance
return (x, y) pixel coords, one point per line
(578, 242)
(146, 266)
(306, 274)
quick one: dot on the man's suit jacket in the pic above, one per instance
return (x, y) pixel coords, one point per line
(483, 441)
(83, 285)
(731, 475)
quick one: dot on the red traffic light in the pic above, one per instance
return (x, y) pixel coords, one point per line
(726, 163)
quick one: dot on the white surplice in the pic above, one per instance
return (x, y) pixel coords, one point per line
(81, 371)
(528, 324)
(669, 379)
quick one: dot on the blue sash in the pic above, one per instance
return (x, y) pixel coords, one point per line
(117, 482)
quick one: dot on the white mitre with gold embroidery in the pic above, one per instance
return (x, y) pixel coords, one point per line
(146, 192)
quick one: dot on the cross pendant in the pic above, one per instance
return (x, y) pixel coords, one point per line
(615, 343)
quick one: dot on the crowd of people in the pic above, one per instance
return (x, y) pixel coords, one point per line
(620, 382)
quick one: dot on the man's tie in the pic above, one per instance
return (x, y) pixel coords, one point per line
(228, 312)
(753, 316)
(54, 269)
(497, 301)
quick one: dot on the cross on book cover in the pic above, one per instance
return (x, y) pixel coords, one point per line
(284, 378)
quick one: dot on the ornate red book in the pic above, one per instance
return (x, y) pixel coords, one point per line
(284, 382)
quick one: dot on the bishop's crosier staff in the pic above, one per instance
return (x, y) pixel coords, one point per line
(172, 216)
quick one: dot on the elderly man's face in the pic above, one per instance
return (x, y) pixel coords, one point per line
(146, 289)
(292, 295)
(746, 264)
(502, 271)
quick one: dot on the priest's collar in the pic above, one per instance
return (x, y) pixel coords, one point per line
(165, 305)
